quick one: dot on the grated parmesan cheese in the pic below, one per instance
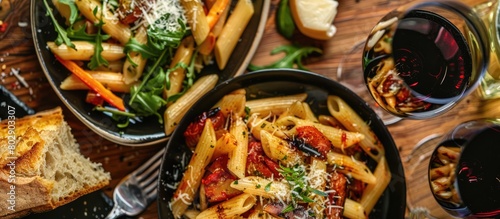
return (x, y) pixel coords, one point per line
(153, 14)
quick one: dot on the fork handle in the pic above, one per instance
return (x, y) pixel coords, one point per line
(116, 212)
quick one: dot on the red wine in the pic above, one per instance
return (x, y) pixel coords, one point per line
(421, 68)
(432, 57)
(478, 173)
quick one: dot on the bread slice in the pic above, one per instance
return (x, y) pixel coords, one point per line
(41, 168)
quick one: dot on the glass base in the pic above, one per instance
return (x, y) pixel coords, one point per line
(420, 200)
(489, 87)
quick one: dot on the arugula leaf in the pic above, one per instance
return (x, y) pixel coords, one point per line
(81, 34)
(188, 80)
(147, 51)
(161, 38)
(97, 59)
(120, 116)
(294, 55)
(73, 10)
(62, 36)
(151, 70)
(148, 101)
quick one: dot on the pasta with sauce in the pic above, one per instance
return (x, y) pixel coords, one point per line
(290, 169)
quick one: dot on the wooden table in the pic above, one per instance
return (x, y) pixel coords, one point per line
(354, 20)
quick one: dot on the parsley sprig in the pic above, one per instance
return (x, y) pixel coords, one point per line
(301, 190)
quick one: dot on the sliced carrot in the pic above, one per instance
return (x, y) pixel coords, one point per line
(215, 11)
(93, 84)
(208, 45)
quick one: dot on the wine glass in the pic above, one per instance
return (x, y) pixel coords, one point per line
(464, 170)
(423, 57)
(350, 74)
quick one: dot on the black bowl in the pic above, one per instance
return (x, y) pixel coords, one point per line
(149, 131)
(276, 82)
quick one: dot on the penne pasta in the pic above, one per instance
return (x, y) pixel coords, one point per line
(296, 109)
(135, 63)
(113, 66)
(232, 31)
(238, 157)
(230, 208)
(269, 161)
(279, 150)
(225, 145)
(318, 176)
(258, 186)
(340, 138)
(191, 213)
(273, 105)
(372, 192)
(353, 210)
(197, 19)
(111, 80)
(194, 172)
(115, 29)
(257, 125)
(349, 165)
(182, 57)
(174, 113)
(352, 122)
(85, 50)
(233, 104)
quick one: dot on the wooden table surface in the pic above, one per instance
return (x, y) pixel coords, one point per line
(354, 20)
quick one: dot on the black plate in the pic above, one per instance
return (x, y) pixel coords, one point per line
(281, 82)
(149, 131)
(91, 206)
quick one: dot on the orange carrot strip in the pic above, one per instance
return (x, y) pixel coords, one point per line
(208, 45)
(215, 12)
(93, 84)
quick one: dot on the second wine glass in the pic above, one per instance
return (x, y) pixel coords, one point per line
(422, 58)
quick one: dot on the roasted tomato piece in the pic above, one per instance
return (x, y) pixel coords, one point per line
(258, 164)
(193, 131)
(130, 11)
(217, 181)
(94, 98)
(312, 136)
(338, 186)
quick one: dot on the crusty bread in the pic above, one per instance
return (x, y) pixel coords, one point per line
(47, 168)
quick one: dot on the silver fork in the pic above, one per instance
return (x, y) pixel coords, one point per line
(137, 190)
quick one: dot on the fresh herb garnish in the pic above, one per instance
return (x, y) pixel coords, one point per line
(62, 35)
(292, 59)
(120, 116)
(160, 38)
(97, 59)
(284, 19)
(147, 51)
(73, 14)
(267, 188)
(188, 80)
(301, 190)
(81, 34)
